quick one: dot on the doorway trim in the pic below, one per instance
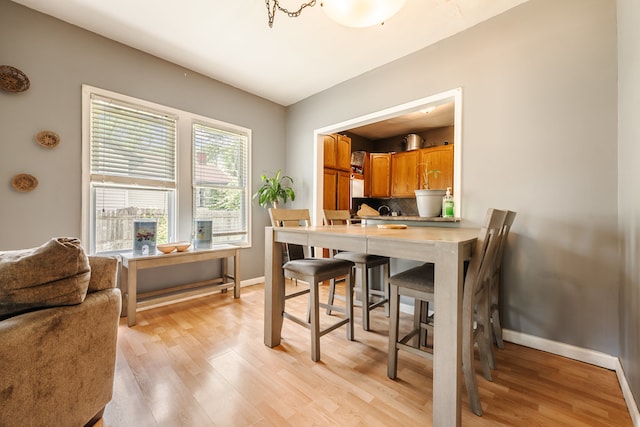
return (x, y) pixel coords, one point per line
(387, 113)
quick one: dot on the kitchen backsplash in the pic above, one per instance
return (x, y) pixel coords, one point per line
(403, 207)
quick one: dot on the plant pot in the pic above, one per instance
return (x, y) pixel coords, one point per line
(429, 202)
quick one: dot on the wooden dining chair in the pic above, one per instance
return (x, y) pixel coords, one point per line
(495, 285)
(371, 298)
(313, 271)
(418, 283)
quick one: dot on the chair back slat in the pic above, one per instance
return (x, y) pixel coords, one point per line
(506, 227)
(336, 217)
(485, 251)
(289, 217)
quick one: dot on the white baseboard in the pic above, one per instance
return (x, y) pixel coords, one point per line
(251, 282)
(243, 283)
(577, 353)
(628, 396)
(592, 357)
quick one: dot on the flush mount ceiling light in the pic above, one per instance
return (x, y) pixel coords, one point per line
(350, 13)
(361, 13)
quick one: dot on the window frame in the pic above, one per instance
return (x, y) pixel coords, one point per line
(197, 185)
(183, 222)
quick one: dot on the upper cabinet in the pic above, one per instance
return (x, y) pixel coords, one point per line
(438, 158)
(337, 152)
(404, 173)
(380, 175)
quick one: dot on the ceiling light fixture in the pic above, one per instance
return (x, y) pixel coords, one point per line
(350, 13)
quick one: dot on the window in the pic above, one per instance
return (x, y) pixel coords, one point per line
(131, 150)
(220, 163)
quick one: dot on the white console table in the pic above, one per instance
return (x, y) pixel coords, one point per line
(131, 264)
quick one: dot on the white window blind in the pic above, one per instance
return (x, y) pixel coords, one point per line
(220, 180)
(132, 146)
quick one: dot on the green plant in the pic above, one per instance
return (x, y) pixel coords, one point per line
(274, 189)
(425, 174)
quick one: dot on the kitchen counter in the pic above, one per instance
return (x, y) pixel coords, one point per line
(403, 218)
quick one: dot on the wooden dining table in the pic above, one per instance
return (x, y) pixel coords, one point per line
(446, 248)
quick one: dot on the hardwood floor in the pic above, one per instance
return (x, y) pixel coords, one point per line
(203, 363)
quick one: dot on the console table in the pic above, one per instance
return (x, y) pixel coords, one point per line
(131, 264)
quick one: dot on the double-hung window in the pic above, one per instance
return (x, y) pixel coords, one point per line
(132, 163)
(136, 157)
(220, 171)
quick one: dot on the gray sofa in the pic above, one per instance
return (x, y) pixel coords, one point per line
(57, 357)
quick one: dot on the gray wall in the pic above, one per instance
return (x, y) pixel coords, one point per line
(59, 58)
(629, 182)
(539, 136)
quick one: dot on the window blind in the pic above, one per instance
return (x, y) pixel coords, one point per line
(220, 180)
(130, 145)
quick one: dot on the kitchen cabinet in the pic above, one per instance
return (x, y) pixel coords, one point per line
(337, 152)
(380, 175)
(436, 158)
(337, 169)
(336, 189)
(404, 173)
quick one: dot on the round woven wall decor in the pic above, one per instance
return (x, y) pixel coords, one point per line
(12, 79)
(23, 182)
(47, 138)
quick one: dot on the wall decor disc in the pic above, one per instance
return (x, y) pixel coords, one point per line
(12, 79)
(47, 138)
(23, 182)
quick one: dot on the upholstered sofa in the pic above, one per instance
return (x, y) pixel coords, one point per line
(59, 312)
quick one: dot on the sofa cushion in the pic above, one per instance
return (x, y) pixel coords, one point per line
(56, 273)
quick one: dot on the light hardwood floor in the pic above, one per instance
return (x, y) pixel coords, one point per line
(203, 363)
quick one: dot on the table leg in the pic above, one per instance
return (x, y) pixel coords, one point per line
(447, 359)
(273, 289)
(132, 290)
(236, 274)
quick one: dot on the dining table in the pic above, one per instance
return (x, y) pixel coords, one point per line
(446, 247)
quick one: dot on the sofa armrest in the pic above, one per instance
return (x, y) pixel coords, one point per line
(104, 273)
(58, 363)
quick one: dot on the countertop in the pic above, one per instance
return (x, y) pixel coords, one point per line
(406, 218)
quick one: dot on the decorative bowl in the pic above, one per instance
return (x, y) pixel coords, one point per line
(182, 246)
(166, 248)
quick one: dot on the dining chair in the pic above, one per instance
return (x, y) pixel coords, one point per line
(313, 271)
(495, 285)
(418, 283)
(371, 298)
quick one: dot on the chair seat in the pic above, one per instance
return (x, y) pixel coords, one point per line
(361, 258)
(318, 266)
(418, 278)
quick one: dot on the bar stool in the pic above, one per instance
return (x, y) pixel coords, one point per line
(362, 264)
(313, 271)
(418, 283)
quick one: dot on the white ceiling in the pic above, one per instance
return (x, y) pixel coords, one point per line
(230, 41)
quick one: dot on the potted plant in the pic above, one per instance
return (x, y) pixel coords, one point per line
(429, 200)
(275, 189)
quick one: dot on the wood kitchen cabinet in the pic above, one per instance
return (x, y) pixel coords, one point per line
(379, 175)
(337, 168)
(336, 189)
(404, 173)
(337, 152)
(436, 158)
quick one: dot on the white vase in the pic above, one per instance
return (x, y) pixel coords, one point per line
(429, 202)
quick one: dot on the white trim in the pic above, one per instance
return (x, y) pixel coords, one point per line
(592, 357)
(628, 396)
(415, 105)
(243, 283)
(181, 228)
